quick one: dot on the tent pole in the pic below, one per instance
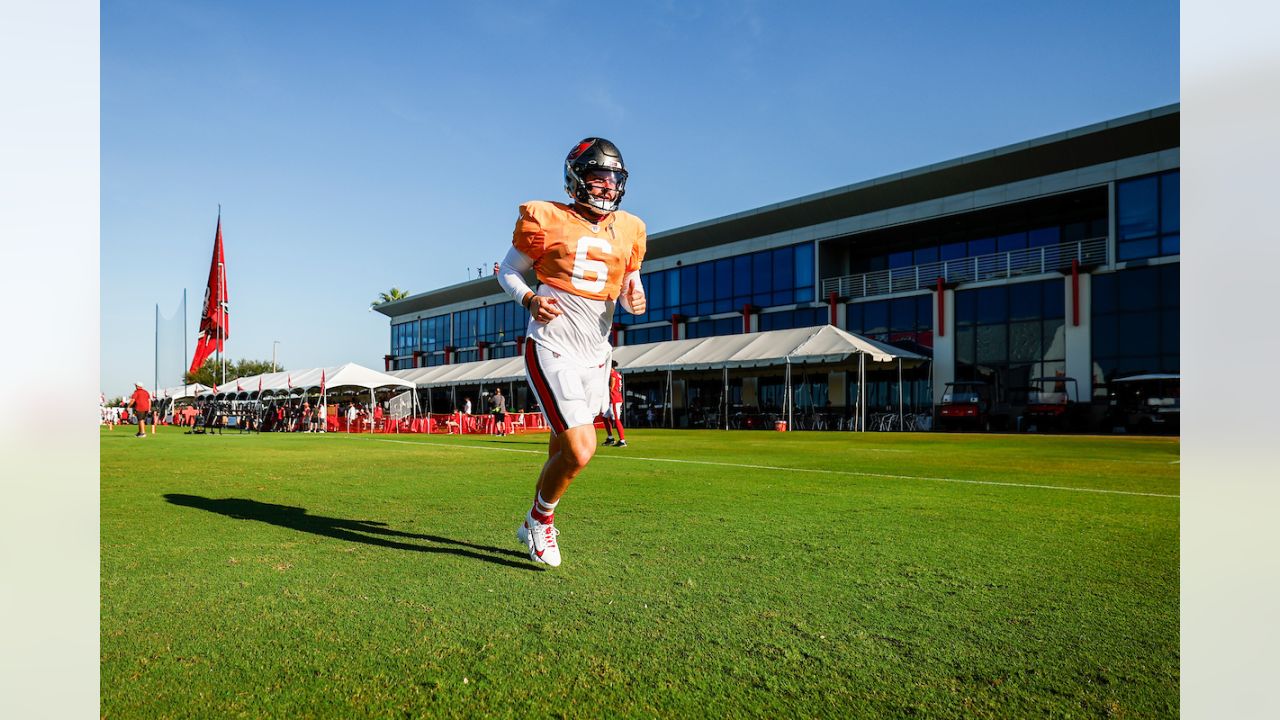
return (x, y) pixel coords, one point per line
(373, 403)
(862, 392)
(726, 397)
(900, 425)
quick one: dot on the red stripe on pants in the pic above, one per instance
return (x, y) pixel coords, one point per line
(543, 389)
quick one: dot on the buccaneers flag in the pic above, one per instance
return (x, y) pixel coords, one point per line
(214, 325)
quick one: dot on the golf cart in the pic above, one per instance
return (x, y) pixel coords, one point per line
(1148, 404)
(965, 405)
(1053, 403)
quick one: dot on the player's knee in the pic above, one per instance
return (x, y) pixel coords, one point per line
(579, 454)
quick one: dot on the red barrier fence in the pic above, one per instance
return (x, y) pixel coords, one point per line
(443, 424)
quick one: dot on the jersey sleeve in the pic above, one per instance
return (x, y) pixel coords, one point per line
(529, 236)
(638, 247)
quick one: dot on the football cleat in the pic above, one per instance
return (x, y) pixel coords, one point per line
(620, 443)
(607, 441)
(541, 541)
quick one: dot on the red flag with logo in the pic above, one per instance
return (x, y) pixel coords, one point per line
(214, 322)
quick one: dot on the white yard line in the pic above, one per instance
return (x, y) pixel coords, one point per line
(785, 469)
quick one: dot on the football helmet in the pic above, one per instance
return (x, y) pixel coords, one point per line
(595, 162)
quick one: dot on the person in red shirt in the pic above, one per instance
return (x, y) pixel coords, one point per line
(140, 401)
(613, 414)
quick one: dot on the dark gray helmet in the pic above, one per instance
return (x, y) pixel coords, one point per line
(594, 158)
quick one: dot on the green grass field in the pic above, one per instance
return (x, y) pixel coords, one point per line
(706, 574)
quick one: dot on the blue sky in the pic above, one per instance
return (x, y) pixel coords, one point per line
(357, 146)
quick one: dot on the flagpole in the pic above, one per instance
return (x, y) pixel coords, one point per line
(156, 368)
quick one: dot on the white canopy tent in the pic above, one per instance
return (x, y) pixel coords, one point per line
(181, 392)
(809, 345)
(347, 375)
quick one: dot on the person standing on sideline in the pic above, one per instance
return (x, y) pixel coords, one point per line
(613, 414)
(499, 405)
(466, 406)
(140, 401)
(587, 258)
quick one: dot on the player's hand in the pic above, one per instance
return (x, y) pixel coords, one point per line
(635, 298)
(544, 309)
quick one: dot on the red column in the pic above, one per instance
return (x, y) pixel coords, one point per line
(831, 302)
(942, 308)
(386, 360)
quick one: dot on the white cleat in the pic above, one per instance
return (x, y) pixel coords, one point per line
(541, 541)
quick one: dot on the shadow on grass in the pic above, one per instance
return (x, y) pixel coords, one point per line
(296, 518)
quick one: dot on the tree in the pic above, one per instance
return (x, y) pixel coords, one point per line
(394, 294)
(210, 373)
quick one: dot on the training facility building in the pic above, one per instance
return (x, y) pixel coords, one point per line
(1053, 257)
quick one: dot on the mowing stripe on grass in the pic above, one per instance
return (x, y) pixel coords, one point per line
(793, 469)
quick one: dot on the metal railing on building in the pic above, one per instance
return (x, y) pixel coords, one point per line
(996, 266)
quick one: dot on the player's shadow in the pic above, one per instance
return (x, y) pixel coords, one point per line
(296, 518)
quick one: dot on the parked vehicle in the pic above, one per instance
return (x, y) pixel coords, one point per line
(966, 405)
(1053, 404)
(1147, 404)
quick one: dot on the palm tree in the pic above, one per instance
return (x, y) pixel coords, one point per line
(394, 294)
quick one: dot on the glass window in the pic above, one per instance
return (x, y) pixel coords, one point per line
(762, 274)
(1054, 296)
(706, 288)
(724, 285)
(1024, 301)
(1137, 249)
(1104, 293)
(784, 270)
(1104, 336)
(1012, 241)
(993, 344)
(924, 311)
(673, 291)
(875, 318)
(853, 318)
(1043, 236)
(966, 306)
(900, 259)
(964, 345)
(1169, 294)
(1170, 192)
(926, 255)
(1055, 339)
(953, 251)
(742, 279)
(1170, 245)
(804, 265)
(1169, 332)
(993, 305)
(1136, 208)
(1137, 333)
(1024, 341)
(902, 315)
(655, 285)
(1138, 289)
(984, 246)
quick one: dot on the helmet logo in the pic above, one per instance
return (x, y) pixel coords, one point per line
(582, 147)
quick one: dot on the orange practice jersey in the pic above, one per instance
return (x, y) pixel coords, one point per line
(569, 255)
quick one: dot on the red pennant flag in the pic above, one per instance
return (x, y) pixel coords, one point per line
(289, 378)
(238, 387)
(214, 322)
(322, 383)
(215, 388)
(259, 384)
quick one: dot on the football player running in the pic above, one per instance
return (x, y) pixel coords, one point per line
(586, 255)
